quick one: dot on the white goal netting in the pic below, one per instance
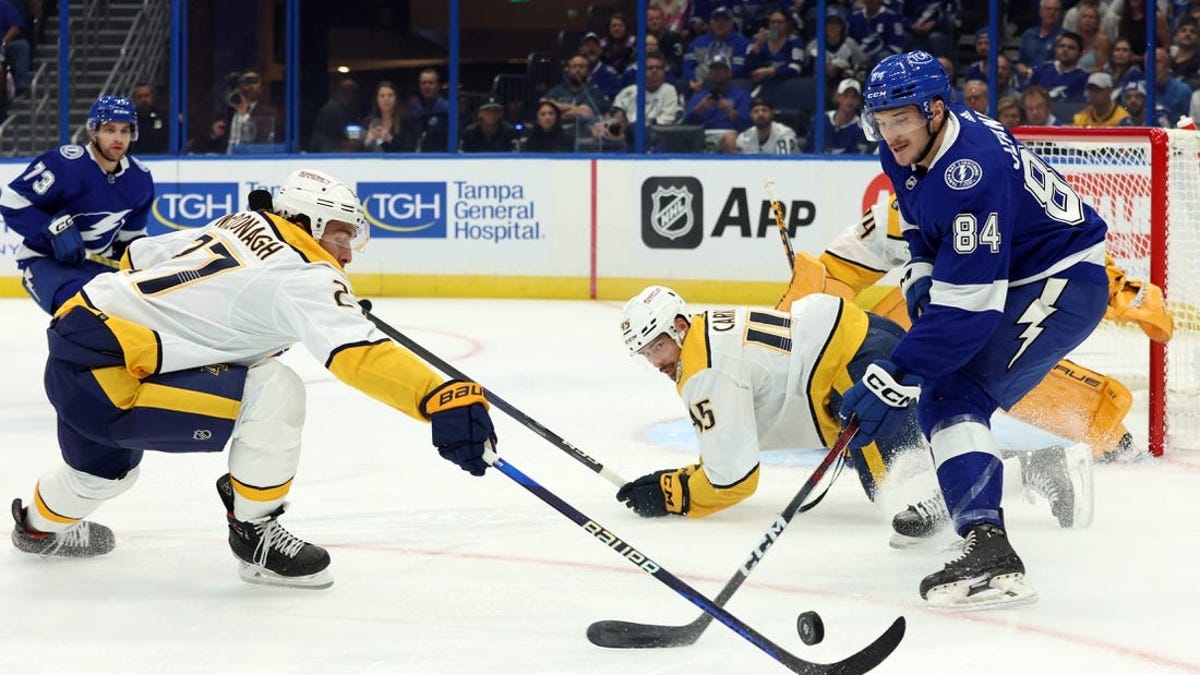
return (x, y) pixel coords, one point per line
(1145, 183)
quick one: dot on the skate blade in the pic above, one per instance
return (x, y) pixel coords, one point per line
(970, 595)
(1079, 468)
(254, 574)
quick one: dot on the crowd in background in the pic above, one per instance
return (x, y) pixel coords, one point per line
(739, 77)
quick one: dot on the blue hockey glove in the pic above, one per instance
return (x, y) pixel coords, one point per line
(881, 399)
(661, 493)
(916, 282)
(65, 240)
(461, 425)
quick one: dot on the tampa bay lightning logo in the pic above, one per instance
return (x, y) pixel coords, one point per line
(71, 151)
(919, 57)
(963, 174)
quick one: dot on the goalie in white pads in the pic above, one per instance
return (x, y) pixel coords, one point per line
(176, 354)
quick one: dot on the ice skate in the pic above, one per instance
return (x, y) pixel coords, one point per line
(919, 522)
(84, 539)
(988, 574)
(1063, 476)
(271, 555)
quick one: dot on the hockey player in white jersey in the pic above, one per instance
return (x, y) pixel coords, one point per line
(756, 379)
(176, 354)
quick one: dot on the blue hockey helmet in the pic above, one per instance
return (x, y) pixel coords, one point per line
(109, 108)
(913, 78)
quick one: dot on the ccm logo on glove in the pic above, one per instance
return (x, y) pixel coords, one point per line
(886, 388)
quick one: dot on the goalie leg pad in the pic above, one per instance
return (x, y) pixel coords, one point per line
(1078, 404)
(885, 301)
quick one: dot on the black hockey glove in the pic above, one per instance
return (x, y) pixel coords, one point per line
(461, 425)
(657, 494)
(65, 241)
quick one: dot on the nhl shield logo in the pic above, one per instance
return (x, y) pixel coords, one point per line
(672, 212)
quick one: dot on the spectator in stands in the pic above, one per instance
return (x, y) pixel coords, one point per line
(337, 126)
(975, 95)
(1185, 57)
(720, 39)
(385, 127)
(764, 137)
(247, 118)
(775, 54)
(428, 108)
(930, 25)
(1038, 43)
(1169, 92)
(1039, 111)
(1063, 78)
(1101, 110)
(878, 31)
(1121, 65)
(14, 46)
(956, 95)
(546, 133)
(617, 45)
(1131, 23)
(489, 133)
(576, 98)
(1096, 45)
(153, 132)
(843, 57)
(1008, 111)
(669, 42)
(662, 99)
(1108, 19)
(843, 129)
(598, 73)
(722, 106)
(1006, 81)
(630, 75)
(1133, 97)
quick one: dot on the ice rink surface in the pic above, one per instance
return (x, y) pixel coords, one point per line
(439, 572)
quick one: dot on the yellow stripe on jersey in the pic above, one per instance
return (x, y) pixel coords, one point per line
(854, 275)
(126, 392)
(261, 494)
(705, 498)
(894, 231)
(295, 236)
(386, 372)
(140, 345)
(695, 355)
(45, 511)
(829, 371)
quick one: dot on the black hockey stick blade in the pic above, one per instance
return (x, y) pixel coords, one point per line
(643, 636)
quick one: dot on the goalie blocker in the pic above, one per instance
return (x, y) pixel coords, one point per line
(1073, 401)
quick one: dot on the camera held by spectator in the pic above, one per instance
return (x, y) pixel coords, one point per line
(232, 96)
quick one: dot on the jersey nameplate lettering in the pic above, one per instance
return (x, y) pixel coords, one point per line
(259, 238)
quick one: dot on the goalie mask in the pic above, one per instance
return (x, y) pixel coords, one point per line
(313, 199)
(650, 314)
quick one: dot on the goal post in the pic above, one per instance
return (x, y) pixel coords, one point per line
(1145, 183)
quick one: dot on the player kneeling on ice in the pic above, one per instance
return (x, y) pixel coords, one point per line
(177, 354)
(756, 379)
(1006, 276)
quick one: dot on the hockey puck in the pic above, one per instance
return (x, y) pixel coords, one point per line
(810, 627)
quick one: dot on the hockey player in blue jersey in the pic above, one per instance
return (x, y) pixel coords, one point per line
(1006, 277)
(78, 207)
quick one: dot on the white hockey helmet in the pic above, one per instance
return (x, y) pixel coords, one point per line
(650, 314)
(314, 198)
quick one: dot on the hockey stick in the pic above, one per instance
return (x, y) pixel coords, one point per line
(512, 411)
(626, 634)
(860, 662)
(777, 211)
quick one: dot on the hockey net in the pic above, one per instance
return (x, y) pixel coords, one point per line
(1145, 183)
